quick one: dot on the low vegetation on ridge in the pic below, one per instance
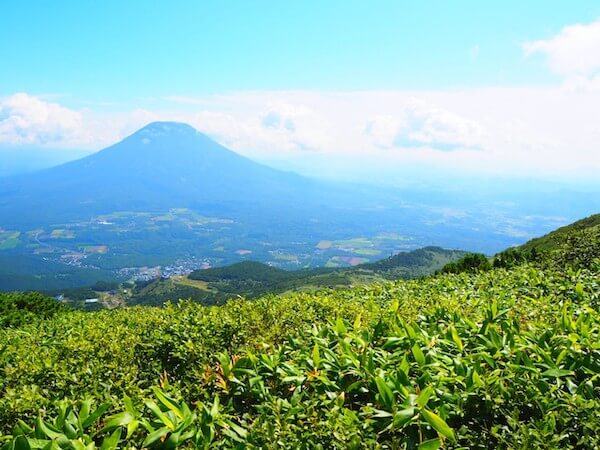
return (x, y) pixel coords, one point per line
(507, 357)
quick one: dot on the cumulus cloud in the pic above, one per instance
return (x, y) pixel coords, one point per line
(25, 119)
(421, 125)
(383, 130)
(533, 131)
(573, 52)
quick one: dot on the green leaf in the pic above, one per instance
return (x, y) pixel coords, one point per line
(129, 406)
(42, 430)
(404, 365)
(381, 414)
(456, 338)
(316, 357)
(403, 416)
(438, 424)
(84, 411)
(22, 428)
(155, 436)
(37, 443)
(557, 373)
(214, 410)
(52, 445)
(385, 393)
(118, 420)
(424, 396)
(418, 354)
(159, 414)
(131, 427)
(21, 443)
(92, 418)
(168, 402)
(111, 442)
(78, 445)
(357, 322)
(339, 326)
(431, 444)
(477, 381)
(240, 431)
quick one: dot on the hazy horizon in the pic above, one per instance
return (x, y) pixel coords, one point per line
(339, 91)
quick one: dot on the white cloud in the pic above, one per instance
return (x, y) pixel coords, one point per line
(420, 125)
(521, 131)
(25, 119)
(574, 51)
(383, 130)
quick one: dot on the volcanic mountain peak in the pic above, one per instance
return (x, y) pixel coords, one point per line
(167, 129)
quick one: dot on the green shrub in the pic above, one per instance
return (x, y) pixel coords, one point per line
(469, 263)
(17, 309)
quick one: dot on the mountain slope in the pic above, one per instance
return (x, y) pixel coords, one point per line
(559, 237)
(163, 165)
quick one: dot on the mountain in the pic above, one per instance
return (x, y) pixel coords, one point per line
(14, 161)
(168, 199)
(163, 165)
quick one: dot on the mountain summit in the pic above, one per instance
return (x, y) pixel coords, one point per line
(163, 165)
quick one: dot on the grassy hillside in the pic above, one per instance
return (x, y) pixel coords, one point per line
(560, 237)
(504, 358)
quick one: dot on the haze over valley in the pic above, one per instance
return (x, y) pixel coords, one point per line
(168, 200)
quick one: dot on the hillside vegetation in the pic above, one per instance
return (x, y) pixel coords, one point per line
(252, 279)
(501, 358)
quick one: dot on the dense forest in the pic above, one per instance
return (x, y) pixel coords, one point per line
(500, 353)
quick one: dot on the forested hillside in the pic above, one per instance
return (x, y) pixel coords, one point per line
(507, 357)
(252, 279)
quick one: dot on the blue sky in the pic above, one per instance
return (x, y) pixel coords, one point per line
(115, 50)
(469, 85)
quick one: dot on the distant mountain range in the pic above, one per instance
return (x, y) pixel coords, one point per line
(168, 199)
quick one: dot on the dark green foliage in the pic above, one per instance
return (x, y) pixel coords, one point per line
(103, 286)
(581, 249)
(17, 309)
(414, 258)
(75, 294)
(156, 293)
(470, 263)
(243, 271)
(576, 246)
(511, 257)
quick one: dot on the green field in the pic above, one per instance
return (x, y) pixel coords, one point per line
(9, 239)
(61, 233)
